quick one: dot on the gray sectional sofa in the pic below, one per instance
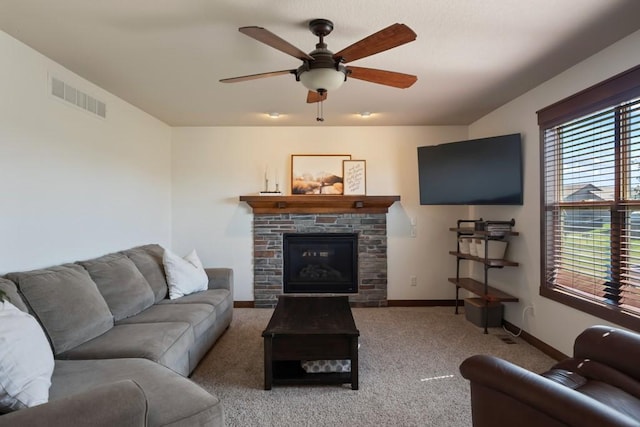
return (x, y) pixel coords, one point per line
(122, 349)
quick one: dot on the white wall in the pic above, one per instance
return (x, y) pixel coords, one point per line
(520, 116)
(72, 185)
(212, 167)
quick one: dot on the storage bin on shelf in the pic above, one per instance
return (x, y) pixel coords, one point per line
(474, 309)
(473, 247)
(496, 249)
(465, 245)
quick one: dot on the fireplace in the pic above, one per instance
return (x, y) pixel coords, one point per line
(268, 254)
(320, 262)
(365, 216)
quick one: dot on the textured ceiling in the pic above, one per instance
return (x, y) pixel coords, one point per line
(167, 56)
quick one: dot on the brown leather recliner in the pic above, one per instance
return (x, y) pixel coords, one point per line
(598, 386)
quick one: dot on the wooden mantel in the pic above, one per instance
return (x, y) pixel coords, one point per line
(306, 204)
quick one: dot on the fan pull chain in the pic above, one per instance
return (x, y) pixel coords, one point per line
(320, 112)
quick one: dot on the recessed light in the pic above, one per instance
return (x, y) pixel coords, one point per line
(274, 115)
(365, 114)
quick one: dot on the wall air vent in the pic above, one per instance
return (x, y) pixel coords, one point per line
(74, 96)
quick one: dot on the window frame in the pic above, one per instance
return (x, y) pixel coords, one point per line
(609, 93)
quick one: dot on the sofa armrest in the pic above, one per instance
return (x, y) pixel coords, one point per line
(505, 394)
(220, 278)
(613, 347)
(121, 403)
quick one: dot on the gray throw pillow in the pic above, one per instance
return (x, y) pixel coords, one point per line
(121, 284)
(66, 302)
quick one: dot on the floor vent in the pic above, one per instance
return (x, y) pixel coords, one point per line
(506, 339)
(74, 96)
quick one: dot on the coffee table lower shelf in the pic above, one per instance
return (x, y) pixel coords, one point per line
(290, 372)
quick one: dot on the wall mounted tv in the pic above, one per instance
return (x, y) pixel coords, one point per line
(486, 171)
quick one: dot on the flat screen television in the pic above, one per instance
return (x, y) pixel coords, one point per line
(486, 171)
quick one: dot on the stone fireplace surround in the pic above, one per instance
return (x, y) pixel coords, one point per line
(274, 216)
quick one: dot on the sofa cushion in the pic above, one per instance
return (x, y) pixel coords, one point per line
(66, 302)
(11, 292)
(221, 299)
(200, 316)
(612, 397)
(26, 361)
(172, 399)
(570, 379)
(166, 343)
(184, 275)
(148, 259)
(121, 284)
(119, 403)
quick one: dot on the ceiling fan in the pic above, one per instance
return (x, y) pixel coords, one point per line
(323, 71)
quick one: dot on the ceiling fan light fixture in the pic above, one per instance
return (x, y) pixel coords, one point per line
(274, 114)
(322, 79)
(322, 71)
(365, 114)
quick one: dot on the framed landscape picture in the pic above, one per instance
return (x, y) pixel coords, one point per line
(354, 174)
(319, 174)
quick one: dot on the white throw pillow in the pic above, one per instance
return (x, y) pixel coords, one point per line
(184, 275)
(26, 360)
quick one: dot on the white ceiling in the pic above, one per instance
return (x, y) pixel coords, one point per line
(166, 56)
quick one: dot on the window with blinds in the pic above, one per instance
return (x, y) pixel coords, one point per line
(590, 160)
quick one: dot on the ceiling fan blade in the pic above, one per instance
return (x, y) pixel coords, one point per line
(256, 76)
(267, 37)
(388, 78)
(390, 37)
(316, 97)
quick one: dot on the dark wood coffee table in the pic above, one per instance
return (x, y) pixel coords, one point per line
(310, 328)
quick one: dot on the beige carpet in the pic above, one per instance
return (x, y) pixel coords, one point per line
(409, 359)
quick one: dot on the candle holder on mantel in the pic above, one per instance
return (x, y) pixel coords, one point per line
(266, 191)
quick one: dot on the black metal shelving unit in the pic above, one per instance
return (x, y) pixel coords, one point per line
(482, 229)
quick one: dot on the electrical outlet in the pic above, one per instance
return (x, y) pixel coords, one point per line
(413, 281)
(529, 309)
(413, 228)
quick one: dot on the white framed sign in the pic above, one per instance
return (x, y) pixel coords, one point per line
(354, 173)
